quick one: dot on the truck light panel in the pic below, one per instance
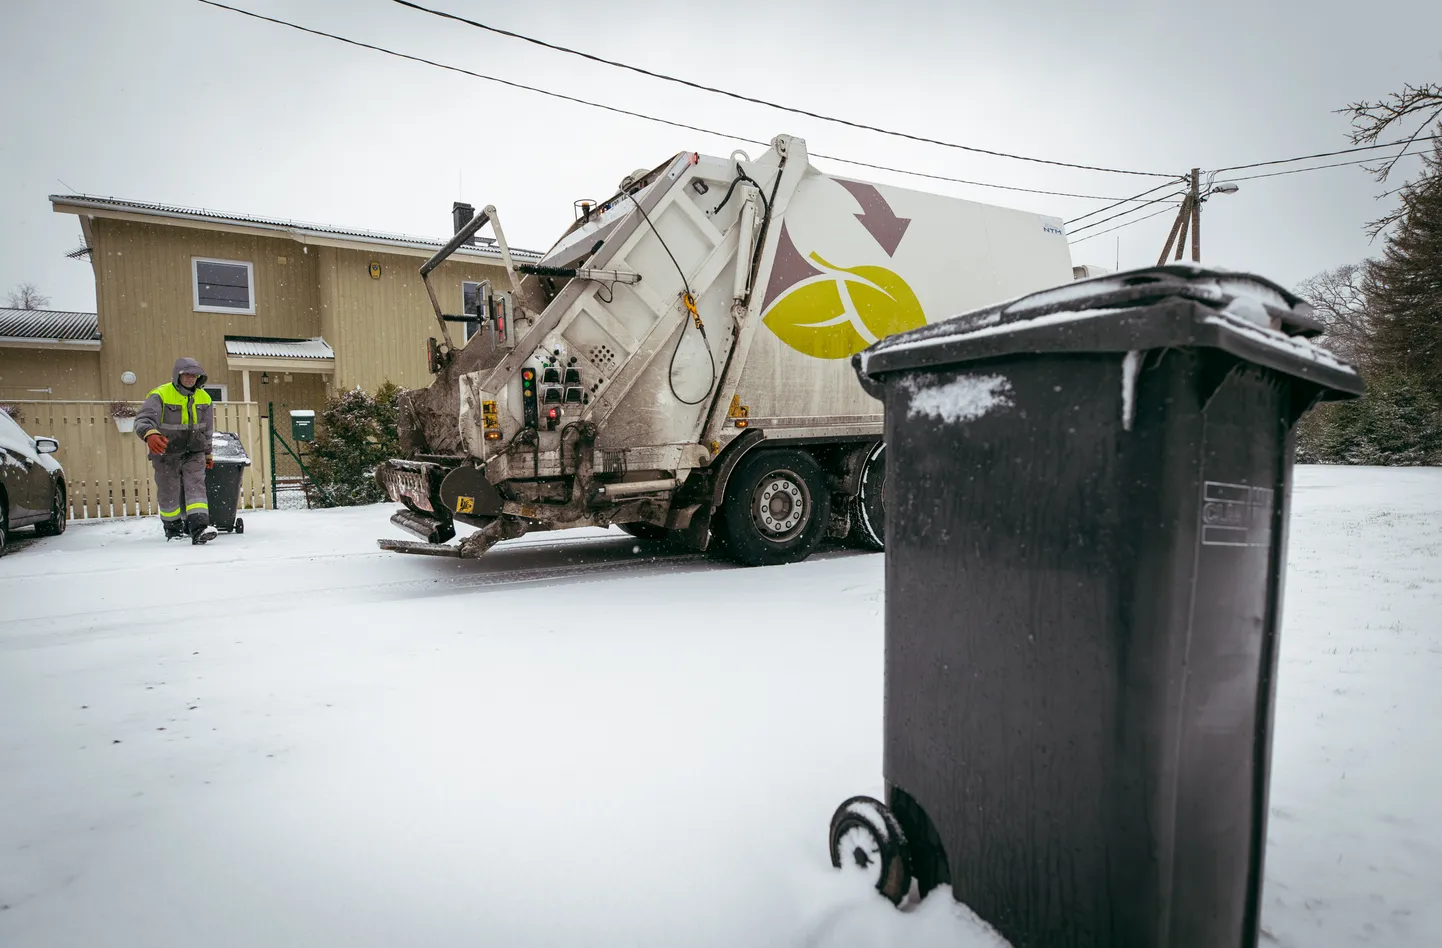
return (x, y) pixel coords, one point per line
(528, 397)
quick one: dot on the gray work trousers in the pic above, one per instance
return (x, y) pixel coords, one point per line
(180, 488)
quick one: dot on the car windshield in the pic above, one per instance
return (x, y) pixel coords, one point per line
(12, 436)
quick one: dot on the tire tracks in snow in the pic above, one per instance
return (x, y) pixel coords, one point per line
(59, 628)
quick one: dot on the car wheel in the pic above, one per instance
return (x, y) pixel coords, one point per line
(4, 525)
(59, 515)
(777, 506)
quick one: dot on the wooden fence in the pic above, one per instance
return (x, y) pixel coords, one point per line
(106, 472)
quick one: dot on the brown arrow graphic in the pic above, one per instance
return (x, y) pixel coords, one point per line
(876, 215)
(788, 269)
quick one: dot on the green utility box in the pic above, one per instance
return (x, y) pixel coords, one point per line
(302, 425)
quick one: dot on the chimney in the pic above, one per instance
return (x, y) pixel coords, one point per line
(461, 214)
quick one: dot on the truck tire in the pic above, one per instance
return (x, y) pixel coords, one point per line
(776, 509)
(868, 507)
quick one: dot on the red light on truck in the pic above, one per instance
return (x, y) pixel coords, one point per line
(553, 413)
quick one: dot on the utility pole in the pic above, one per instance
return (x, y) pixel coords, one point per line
(1189, 216)
(1196, 217)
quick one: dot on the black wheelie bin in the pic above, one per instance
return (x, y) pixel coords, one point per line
(1087, 496)
(222, 481)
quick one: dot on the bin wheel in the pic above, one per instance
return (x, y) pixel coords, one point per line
(866, 839)
(239, 525)
(777, 507)
(868, 507)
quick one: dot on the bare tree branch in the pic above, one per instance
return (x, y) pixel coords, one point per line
(1339, 297)
(1432, 166)
(27, 296)
(1371, 119)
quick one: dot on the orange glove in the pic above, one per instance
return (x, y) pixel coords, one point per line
(158, 442)
(209, 462)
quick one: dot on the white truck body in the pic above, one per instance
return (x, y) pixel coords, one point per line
(791, 275)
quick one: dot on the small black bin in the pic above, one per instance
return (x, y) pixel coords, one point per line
(222, 482)
(1087, 497)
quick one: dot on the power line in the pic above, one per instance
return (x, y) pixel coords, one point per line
(1325, 154)
(1121, 201)
(1337, 164)
(632, 114)
(979, 184)
(1130, 210)
(477, 75)
(1073, 243)
(773, 105)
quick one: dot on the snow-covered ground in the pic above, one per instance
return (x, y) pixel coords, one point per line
(290, 738)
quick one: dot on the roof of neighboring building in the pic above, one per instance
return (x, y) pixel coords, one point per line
(268, 348)
(297, 230)
(48, 324)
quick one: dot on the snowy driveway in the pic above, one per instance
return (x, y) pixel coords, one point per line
(290, 738)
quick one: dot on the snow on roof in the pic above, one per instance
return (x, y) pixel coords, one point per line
(48, 324)
(255, 346)
(297, 229)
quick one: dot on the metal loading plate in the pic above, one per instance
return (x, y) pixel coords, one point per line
(419, 548)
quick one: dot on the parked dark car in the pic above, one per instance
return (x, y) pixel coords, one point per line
(32, 483)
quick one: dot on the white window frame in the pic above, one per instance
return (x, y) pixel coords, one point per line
(195, 263)
(224, 391)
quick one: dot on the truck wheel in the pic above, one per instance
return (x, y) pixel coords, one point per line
(777, 507)
(868, 507)
(866, 838)
(58, 516)
(645, 531)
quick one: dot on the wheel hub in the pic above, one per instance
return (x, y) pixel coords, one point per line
(780, 505)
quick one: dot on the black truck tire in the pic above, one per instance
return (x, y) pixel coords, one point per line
(777, 507)
(868, 507)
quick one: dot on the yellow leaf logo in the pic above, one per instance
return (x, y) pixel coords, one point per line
(843, 311)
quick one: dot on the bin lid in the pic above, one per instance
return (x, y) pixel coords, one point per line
(226, 446)
(1176, 306)
(302, 413)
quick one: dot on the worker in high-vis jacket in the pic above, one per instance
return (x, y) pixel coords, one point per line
(176, 423)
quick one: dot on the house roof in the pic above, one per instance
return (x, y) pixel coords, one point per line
(296, 230)
(47, 328)
(261, 347)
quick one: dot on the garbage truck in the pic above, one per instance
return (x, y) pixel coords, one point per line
(678, 363)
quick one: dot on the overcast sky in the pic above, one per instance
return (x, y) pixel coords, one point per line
(175, 102)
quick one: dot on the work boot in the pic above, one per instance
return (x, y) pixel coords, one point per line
(200, 530)
(174, 530)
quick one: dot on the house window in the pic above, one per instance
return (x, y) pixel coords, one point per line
(217, 393)
(223, 286)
